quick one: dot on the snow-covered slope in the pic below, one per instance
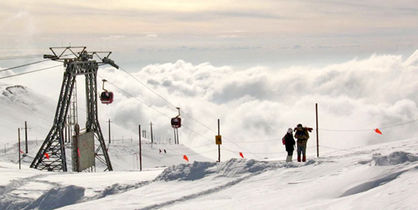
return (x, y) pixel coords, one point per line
(382, 176)
(123, 154)
(19, 104)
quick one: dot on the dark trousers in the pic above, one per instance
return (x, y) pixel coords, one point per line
(290, 152)
(301, 150)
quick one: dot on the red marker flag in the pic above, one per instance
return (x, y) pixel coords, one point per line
(47, 156)
(378, 131)
(185, 158)
(240, 154)
(78, 152)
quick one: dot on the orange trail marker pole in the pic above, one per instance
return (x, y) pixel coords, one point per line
(185, 158)
(378, 131)
(240, 154)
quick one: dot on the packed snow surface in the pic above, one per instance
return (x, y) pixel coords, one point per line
(382, 176)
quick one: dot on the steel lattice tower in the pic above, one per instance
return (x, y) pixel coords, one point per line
(51, 155)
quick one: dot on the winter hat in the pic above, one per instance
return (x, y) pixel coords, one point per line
(289, 130)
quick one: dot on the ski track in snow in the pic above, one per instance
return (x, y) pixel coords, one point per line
(199, 194)
(16, 183)
(375, 183)
(9, 200)
(116, 189)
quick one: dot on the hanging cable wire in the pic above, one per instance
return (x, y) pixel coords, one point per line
(131, 96)
(163, 98)
(236, 144)
(150, 89)
(334, 148)
(158, 111)
(143, 102)
(371, 129)
(15, 57)
(29, 72)
(261, 141)
(149, 106)
(162, 113)
(400, 124)
(172, 105)
(346, 130)
(23, 65)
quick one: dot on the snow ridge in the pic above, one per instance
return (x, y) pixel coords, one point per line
(394, 158)
(375, 183)
(231, 168)
(118, 188)
(58, 197)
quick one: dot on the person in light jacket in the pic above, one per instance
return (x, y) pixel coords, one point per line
(289, 142)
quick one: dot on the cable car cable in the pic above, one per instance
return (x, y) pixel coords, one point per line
(136, 79)
(15, 57)
(29, 72)
(150, 107)
(23, 65)
(369, 129)
(210, 129)
(166, 100)
(162, 97)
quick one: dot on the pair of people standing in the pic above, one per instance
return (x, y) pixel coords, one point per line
(302, 136)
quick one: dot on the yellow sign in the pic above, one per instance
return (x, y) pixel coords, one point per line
(218, 139)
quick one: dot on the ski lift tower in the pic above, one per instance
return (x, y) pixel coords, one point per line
(77, 61)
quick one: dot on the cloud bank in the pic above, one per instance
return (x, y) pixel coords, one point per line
(257, 105)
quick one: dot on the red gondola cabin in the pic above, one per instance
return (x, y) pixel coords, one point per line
(106, 97)
(176, 122)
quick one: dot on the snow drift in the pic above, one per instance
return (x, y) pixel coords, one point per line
(394, 158)
(231, 168)
(58, 197)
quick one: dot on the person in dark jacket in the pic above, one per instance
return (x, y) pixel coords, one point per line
(289, 142)
(302, 137)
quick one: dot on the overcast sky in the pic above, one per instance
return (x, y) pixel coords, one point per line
(280, 58)
(222, 32)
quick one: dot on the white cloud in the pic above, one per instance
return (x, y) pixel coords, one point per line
(260, 103)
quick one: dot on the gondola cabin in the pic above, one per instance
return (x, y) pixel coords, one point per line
(106, 97)
(176, 122)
